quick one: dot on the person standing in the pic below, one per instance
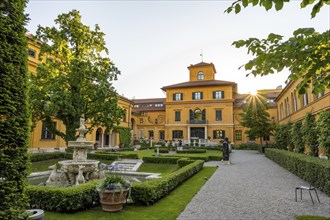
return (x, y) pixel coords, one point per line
(225, 150)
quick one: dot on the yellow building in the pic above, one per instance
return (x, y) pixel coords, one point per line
(203, 108)
(293, 107)
(43, 139)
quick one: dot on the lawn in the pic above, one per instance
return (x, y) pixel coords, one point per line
(309, 217)
(158, 168)
(44, 164)
(167, 208)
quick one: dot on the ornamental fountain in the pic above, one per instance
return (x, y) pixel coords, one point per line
(79, 169)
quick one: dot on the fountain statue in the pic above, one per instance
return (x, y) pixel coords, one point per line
(79, 169)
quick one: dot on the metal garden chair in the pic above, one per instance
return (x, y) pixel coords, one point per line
(310, 188)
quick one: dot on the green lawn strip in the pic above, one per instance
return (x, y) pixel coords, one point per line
(208, 153)
(166, 209)
(44, 164)
(310, 217)
(158, 168)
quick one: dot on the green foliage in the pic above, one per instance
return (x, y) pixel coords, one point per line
(14, 114)
(124, 134)
(112, 183)
(162, 160)
(129, 155)
(306, 167)
(247, 147)
(151, 191)
(184, 162)
(323, 128)
(278, 4)
(77, 80)
(63, 199)
(191, 156)
(305, 54)
(163, 150)
(256, 118)
(191, 151)
(311, 217)
(283, 137)
(104, 156)
(309, 131)
(297, 137)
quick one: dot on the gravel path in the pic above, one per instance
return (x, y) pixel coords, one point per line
(252, 187)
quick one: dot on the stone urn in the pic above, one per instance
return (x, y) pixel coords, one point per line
(113, 192)
(113, 200)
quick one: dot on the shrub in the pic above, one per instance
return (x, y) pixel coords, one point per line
(191, 151)
(63, 199)
(297, 137)
(163, 150)
(192, 157)
(247, 147)
(282, 137)
(132, 155)
(215, 158)
(161, 160)
(323, 127)
(151, 191)
(105, 156)
(184, 162)
(306, 167)
(14, 113)
(310, 133)
(46, 156)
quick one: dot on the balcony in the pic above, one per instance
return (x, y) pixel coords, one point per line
(197, 122)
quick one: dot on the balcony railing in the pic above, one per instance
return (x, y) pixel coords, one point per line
(197, 122)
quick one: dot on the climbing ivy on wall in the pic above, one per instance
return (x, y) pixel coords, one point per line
(14, 117)
(124, 134)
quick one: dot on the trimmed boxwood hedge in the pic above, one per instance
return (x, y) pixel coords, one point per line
(151, 191)
(184, 162)
(162, 160)
(306, 167)
(63, 199)
(191, 151)
(193, 157)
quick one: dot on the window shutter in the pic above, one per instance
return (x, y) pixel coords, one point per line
(193, 96)
(181, 96)
(201, 95)
(204, 114)
(223, 134)
(223, 94)
(191, 115)
(213, 95)
(174, 97)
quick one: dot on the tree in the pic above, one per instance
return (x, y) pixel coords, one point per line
(310, 133)
(297, 137)
(282, 137)
(306, 54)
(75, 80)
(14, 115)
(256, 118)
(323, 128)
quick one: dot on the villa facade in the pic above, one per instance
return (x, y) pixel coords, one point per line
(202, 108)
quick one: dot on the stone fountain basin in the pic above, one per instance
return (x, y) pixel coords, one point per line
(72, 166)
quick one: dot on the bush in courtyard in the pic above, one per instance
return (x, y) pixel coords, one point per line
(283, 137)
(191, 151)
(297, 137)
(63, 199)
(163, 150)
(14, 114)
(306, 167)
(310, 133)
(184, 162)
(161, 160)
(153, 190)
(323, 128)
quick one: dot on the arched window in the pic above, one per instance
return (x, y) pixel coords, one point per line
(198, 114)
(200, 75)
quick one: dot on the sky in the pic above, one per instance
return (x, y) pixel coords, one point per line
(153, 42)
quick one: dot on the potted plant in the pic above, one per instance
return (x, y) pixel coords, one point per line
(113, 191)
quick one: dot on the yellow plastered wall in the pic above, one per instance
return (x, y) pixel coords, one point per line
(209, 72)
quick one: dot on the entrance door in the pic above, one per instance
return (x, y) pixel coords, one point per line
(197, 132)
